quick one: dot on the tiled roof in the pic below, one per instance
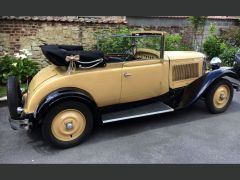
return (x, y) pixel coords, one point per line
(209, 17)
(81, 19)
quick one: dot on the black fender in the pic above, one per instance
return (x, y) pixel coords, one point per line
(64, 94)
(196, 89)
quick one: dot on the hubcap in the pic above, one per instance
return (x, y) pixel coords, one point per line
(221, 96)
(68, 125)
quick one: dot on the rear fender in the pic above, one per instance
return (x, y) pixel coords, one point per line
(195, 90)
(65, 94)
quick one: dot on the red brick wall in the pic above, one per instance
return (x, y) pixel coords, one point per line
(16, 30)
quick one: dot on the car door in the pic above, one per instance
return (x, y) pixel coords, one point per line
(143, 79)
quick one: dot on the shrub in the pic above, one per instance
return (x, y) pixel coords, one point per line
(174, 42)
(19, 66)
(111, 44)
(228, 56)
(213, 46)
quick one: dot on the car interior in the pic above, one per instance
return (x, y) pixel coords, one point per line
(57, 54)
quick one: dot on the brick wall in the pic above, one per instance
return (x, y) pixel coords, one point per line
(15, 35)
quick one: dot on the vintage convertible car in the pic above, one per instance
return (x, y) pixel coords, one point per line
(82, 88)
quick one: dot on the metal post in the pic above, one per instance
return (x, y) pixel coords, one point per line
(162, 47)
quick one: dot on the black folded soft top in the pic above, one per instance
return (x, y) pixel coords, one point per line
(56, 54)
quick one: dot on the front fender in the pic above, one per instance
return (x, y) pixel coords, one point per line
(195, 90)
(62, 95)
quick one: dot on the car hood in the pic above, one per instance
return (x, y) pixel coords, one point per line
(175, 55)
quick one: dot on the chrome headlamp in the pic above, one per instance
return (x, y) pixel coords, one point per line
(215, 63)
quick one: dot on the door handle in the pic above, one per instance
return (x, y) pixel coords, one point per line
(127, 74)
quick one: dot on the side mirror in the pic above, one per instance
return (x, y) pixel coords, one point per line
(215, 63)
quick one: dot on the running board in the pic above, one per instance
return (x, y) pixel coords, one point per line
(134, 112)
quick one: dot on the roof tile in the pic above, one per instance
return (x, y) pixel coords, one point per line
(87, 19)
(209, 17)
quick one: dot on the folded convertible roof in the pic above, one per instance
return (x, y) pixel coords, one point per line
(139, 33)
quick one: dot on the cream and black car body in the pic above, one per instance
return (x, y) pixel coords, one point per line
(82, 88)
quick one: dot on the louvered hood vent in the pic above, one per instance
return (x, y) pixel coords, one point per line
(185, 71)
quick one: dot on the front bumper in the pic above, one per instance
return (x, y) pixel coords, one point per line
(19, 124)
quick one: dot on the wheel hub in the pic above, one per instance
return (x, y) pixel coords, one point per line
(221, 96)
(68, 125)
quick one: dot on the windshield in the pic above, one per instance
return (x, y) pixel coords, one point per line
(120, 44)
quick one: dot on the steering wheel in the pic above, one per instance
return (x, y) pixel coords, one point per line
(130, 54)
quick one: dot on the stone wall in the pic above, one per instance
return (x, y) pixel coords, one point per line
(181, 26)
(15, 35)
(30, 34)
(185, 32)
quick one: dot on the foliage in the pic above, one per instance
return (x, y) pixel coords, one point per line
(3, 91)
(228, 56)
(213, 46)
(224, 46)
(198, 24)
(174, 42)
(212, 28)
(19, 66)
(231, 36)
(109, 44)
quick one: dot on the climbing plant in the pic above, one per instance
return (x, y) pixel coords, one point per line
(198, 24)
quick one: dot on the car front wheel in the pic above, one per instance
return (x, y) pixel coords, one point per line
(67, 124)
(219, 96)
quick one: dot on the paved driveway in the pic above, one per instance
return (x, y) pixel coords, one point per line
(187, 136)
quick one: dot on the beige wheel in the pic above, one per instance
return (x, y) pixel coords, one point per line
(68, 125)
(219, 96)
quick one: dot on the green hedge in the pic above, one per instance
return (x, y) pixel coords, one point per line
(109, 44)
(224, 46)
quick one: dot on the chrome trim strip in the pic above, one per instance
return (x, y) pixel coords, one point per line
(19, 110)
(139, 115)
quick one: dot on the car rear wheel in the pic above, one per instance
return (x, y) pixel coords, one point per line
(219, 96)
(67, 124)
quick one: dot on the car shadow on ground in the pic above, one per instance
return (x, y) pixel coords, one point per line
(196, 112)
(38, 144)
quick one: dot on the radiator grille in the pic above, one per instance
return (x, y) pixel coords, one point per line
(185, 71)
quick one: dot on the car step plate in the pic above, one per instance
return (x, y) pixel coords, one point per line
(134, 112)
